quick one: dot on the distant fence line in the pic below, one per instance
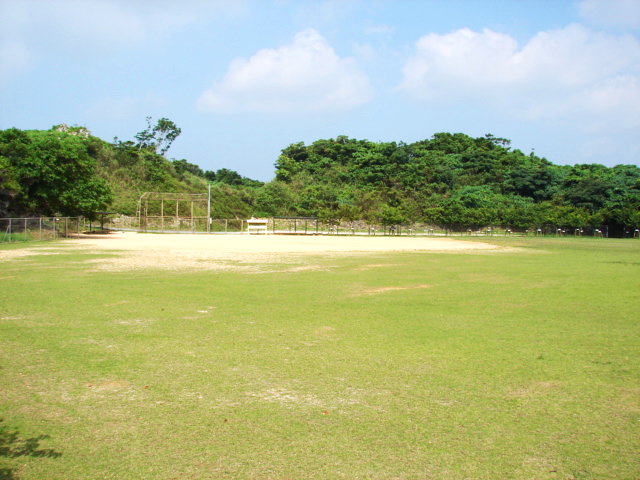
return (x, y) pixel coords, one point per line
(542, 230)
(313, 226)
(15, 230)
(173, 224)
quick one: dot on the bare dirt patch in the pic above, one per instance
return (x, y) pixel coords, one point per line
(286, 397)
(535, 389)
(28, 252)
(113, 385)
(324, 331)
(245, 253)
(135, 321)
(374, 291)
(377, 265)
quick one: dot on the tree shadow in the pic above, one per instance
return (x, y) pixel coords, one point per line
(13, 446)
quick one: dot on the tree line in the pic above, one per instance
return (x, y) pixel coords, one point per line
(447, 179)
(67, 171)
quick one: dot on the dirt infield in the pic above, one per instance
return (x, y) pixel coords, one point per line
(277, 243)
(249, 253)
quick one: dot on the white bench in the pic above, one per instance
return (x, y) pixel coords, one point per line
(257, 225)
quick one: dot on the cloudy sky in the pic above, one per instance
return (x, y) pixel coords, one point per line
(246, 78)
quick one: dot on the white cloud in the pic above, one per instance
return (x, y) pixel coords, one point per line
(306, 76)
(567, 75)
(469, 59)
(87, 29)
(612, 13)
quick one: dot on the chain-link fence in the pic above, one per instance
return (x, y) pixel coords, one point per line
(293, 225)
(314, 226)
(541, 230)
(16, 230)
(175, 224)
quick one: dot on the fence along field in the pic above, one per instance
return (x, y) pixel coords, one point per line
(166, 212)
(15, 230)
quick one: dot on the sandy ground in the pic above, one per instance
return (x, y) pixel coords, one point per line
(251, 253)
(275, 243)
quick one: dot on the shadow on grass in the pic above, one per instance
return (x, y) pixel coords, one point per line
(12, 446)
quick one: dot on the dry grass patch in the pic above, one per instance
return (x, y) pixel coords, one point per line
(535, 389)
(378, 290)
(135, 321)
(377, 265)
(111, 386)
(325, 331)
(287, 397)
(120, 302)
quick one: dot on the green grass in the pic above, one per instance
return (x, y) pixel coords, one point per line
(515, 365)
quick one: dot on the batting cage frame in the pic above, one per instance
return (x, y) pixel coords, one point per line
(151, 219)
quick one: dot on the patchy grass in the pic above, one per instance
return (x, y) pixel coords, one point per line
(376, 366)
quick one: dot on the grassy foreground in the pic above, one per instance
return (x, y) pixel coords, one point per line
(392, 366)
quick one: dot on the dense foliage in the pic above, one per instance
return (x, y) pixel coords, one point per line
(67, 171)
(130, 171)
(448, 179)
(159, 137)
(48, 172)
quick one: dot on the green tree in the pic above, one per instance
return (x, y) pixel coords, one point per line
(9, 186)
(390, 216)
(182, 166)
(159, 137)
(229, 177)
(51, 172)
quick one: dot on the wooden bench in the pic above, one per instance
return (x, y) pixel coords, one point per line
(257, 225)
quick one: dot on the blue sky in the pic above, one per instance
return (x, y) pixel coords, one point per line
(244, 79)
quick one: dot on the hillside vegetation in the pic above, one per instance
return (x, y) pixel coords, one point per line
(451, 179)
(448, 179)
(68, 171)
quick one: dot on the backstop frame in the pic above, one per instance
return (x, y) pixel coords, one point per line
(143, 216)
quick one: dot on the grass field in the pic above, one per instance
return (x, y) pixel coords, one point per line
(519, 363)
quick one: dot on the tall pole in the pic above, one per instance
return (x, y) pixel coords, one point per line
(209, 210)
